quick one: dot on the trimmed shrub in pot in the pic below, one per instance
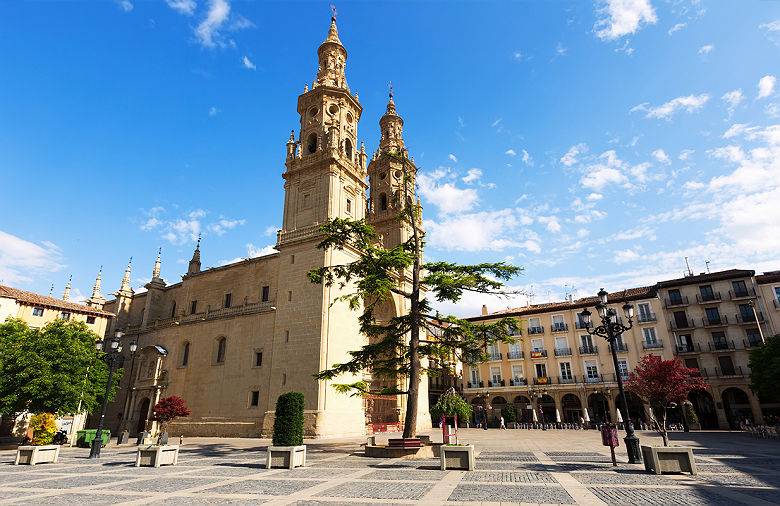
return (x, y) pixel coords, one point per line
(288, 423)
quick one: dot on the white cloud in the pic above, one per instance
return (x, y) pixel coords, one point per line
(485, 230)
(224, 225)
(685, 154)
(772, 110)
(583, 232)
(126, 5)
(676, 28)
(185, 228)
(594, 197)
(254, 251)
(690, 103)
(213, 111)
(20, 260)
(570, 158)
(661, 156)
(452, 157)
(560, 49)
(624, 256)
(186, 7)
(733, 98)
(209, 31)
(766, 86)
(151, 223)
(445, 195)
(248, 63)
(706, 49)
(623, 17)
(473, 175)
(772, 31)
(510, 152)
(738, 129)
(270, 230)
(551, 222)
(527, 158)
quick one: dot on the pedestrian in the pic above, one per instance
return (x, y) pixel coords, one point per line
(502, 426)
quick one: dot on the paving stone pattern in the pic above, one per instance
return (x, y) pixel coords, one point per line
(512, 467)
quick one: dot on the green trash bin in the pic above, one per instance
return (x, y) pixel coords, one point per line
(85, 437)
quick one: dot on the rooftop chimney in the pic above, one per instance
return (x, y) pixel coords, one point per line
(484, 309)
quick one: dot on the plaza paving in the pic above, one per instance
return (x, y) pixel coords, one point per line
(513, 466)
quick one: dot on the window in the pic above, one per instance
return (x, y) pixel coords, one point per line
(686, 342)
(266, 293)
(90, 319)
(557, 323)
(194, 307)
(649, 335)
(284, 379)
(587, 344)
(591, 370)
(64, 315)
(681, 320)
(258, 358)
(185, 354)
(348, 149)
(289, 296)
(706, 292)
(173, 310)
(286, 336)
(517, 373)
(311, 144)
(537, 344)
(221, 350)
(541, 370)
(726, 366)
(740, 289)
(474, 377)
(513, 332)
(382, 202)
(349, 206)
(645, 313)
(747, 313)
(675, 297)
(754, 336)
(228, 299)
(713, 316)
(565, 371)
(691, 363)
(495, 375)
(37, 311)
(777, 293)
(623, 368)
(514, 350)
(534, 326)
(292, 259)
(719, 340)
(255, 399)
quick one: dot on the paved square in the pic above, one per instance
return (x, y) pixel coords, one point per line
(513, 466)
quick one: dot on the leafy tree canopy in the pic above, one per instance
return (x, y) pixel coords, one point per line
(50, 370)
(765, 368)
(166, 410)
(450, 403)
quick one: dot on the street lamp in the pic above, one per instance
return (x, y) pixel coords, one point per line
(611, 330)
(111, 358)
(758, 323)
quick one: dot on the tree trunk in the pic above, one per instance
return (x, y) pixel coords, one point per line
(664, 432)
(410, 423)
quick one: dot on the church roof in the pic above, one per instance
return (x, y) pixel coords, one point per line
(33, 299)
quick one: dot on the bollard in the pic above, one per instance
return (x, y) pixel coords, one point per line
(181, 439)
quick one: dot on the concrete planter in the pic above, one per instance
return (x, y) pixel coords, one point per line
(668, 459)
(457, 457)
(156, 456)
(288, 457)
(32, 455)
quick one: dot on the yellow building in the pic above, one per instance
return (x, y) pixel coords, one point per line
(229, 340)
(558, 367)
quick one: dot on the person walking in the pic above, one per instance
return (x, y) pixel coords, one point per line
(502, 426)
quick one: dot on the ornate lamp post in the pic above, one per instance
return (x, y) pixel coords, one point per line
(611, 330)
(111, 358)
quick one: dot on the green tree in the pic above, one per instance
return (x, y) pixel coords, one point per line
(50, 370)
(765, 368)
(288, 420)
(450, 403)
(395, 349)
(509, 413)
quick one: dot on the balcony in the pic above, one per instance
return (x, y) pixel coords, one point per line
(620, 347)
(543, 380)
(652, 345)
(580, 325)
(565, 380)
(722, 345)
(559, 327)
(676, 301)
(750, 293)
(562, 352)
(535, 330)
(476, 384)
(749, 318)
(516, 382)
(538, 354)
(492, 357)
(593, 378)
(751, 342)
(735, 372)
(496, 383)
(682, 325)
(710, 297)
(646, 317)
(589, 350)
(688, 348)
(515, 355)
(720, 321)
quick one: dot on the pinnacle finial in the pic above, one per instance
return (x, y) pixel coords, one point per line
(96, 288)
(66, 295)
(51, 290)
(126, 278)
(156, 271)
(390, 86)
(334, 11)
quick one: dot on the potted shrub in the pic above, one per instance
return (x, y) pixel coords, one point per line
(454, 455)
(287, 450)
(664, 384)
(165, 411)
(40, 450)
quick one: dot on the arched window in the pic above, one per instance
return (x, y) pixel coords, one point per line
(221, 350)
(185, 354)
(173, 310)
(382, 202)
(311, 144)
(348, 148)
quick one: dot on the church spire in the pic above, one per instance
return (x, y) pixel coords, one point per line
(97, 299)
(156, 271)
(333, 58)
(391, 128)
(66, 295)
(194, 266)
(126, 279)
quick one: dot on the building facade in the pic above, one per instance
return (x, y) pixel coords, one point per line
(229, 340)
(709, 321)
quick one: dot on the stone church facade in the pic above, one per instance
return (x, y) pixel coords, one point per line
(230, 339)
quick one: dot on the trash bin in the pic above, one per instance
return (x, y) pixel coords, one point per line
(85, 437)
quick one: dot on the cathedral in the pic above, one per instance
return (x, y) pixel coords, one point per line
(230, 339)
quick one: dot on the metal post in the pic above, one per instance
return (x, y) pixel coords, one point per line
(631, 440)
(94, 452)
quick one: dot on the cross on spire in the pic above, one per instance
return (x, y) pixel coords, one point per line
(390, 86)
(333, 10)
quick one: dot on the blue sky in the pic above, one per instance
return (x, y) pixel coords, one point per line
(593, 143)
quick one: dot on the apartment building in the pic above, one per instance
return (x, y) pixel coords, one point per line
(556, 369)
